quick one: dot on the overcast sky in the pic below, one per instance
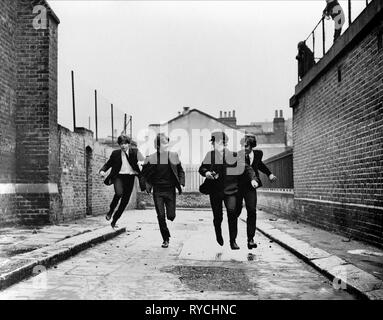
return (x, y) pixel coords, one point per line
(151, 58)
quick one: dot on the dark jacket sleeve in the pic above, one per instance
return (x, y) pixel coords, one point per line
(261, 166)
(181, 172)
(108, 164)
(147, 169)
(206, 164)
(250, 174)
(146, 173)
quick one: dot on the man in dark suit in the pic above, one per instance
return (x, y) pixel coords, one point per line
(163, 172)
(246, 190)
(222, 166)
(124, 164)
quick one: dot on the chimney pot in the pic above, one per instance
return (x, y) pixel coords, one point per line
(220, 114)
(229, 114)
(280, 114)
(225, 114)
(233, 113)
(276, 113)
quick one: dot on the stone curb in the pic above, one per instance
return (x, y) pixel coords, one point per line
(26, 265)
(344, 275)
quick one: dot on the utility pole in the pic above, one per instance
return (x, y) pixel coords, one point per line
(73, 103)
(111, 109)
(125, 124)
(131, 129)
(95, 111)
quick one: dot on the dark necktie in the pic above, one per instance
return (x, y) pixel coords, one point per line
(247, 158)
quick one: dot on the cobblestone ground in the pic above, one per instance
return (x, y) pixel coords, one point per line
(134, 266)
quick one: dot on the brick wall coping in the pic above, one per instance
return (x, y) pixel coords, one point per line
(339, 203)
(362, 23)
(14, 188)
(277, 190)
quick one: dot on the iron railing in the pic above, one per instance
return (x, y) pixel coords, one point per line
(323, 36)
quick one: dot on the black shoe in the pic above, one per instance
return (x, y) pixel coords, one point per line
(251, 244)
(109, 216)
(113, 224)
(219, 238)
(165, 244)
(234, 245)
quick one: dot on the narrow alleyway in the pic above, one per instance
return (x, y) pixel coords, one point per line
(134, 266)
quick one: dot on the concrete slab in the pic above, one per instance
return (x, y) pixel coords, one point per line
(299, 247)
(375, 294)
(357, 279)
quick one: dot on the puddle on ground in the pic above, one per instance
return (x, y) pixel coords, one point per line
(363, 252)
(250, 257)
(16, 251)
(201, 278)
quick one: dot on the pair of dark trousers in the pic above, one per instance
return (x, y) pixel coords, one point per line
(165, 204)
(123, 187)
(230, 202)
(250, 196)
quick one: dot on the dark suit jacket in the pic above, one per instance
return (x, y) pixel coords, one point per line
(115, 163)
(229, 169)
(256, 165)
(149, 170)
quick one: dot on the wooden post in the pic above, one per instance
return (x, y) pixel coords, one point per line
(73, 103)
(131, 129)
(95, 111)
(111, 109)
(323, 37)
(125, 124)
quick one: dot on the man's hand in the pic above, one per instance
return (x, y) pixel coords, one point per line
(255, 184)
(102, 174)
(272, 178)
(209, 175)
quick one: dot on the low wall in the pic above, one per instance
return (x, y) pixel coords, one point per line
(185, 200)
(277, 201)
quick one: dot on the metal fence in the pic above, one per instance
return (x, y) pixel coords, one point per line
(281, 166)
(91, 109)
(192, 178)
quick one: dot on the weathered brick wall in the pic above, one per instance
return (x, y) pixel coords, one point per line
(45, 176)
(28, 108)
(7, 91)
(7, 104)
(80, 161)
(338, 143)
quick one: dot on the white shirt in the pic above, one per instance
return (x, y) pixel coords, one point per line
(125, 167)
(251, 157)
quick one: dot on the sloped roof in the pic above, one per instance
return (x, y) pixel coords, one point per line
(200, 112)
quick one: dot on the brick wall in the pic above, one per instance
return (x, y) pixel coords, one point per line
(7, 91)
(338, 135)
(28, 108)
(81, 189)
(7, 103)
(48, 174)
